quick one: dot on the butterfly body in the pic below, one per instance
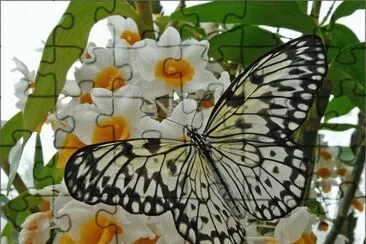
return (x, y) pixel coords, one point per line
(245, 160)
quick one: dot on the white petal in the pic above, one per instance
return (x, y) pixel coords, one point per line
(131, 25)
(291, 228)
(170, 43)
(86, 119)
(103, 99)
(196, 53)
(71, 88)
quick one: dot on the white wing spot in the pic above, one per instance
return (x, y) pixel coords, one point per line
(302, 106)
(321, 70)
(321, 56)
(312, 86)
(292, 126)
(299, 114)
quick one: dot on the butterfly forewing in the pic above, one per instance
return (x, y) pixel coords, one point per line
(250, 128)
(273, 96)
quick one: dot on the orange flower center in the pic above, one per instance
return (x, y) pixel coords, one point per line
(323, 226)
(44, 206)
(326, 187)
(71, 144)
(326, 155)
(66, 239)
(112, 129)
(86, 98)
(99, 230)
(110, 78)
(130, 37)
(306, 238)
(208, 103)
(174, 73)
(31, 84)
(147, 240)
(342, 171)
(357, 204)
(323, 173)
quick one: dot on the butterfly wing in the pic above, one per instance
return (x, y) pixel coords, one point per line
(251, 125)
(152, 176)
(143, 175)
(202, 214)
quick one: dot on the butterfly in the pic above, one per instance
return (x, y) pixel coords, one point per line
(244, 161)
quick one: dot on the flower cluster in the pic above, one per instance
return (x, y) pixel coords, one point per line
(131, 88)
(334, 177)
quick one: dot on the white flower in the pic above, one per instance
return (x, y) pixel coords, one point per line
(107, 68)
(296, 226)
(36, 228)
(163, 226)
(174, 127)
(25, 85)
(57, 196)
(100, 223)
(88, 52)
(170, 64)
(113, 116)
(324, 168)
(123, 30)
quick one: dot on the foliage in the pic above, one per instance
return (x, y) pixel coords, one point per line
(237, 37)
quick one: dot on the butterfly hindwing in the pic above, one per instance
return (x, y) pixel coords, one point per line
(251, 125)
(202, 214)
(152, 176)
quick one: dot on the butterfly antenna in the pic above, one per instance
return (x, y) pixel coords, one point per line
(161, 117)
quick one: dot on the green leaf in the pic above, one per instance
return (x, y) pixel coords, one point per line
(338, 106)
(347, 8)
(45, 175)
(352, 61)
(242, 44)
(341, 37)
(3, 199)
(63, 47)
(162, 22)
(285, 14)
(315, 207)
(303, 5)
(14, 160)
(346, 155)
(10, 233)
(20, 207)
(347, 74)
(338, 127)
(11, 132)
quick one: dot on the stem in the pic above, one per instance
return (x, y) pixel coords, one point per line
(307, 134)
(144, 10)
(315, 10)
(328, 14)
(346, 203)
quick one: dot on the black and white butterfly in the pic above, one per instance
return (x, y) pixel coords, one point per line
(244, 161)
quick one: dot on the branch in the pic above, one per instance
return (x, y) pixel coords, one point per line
(343, 210)
(144, 10)
(315, 10)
